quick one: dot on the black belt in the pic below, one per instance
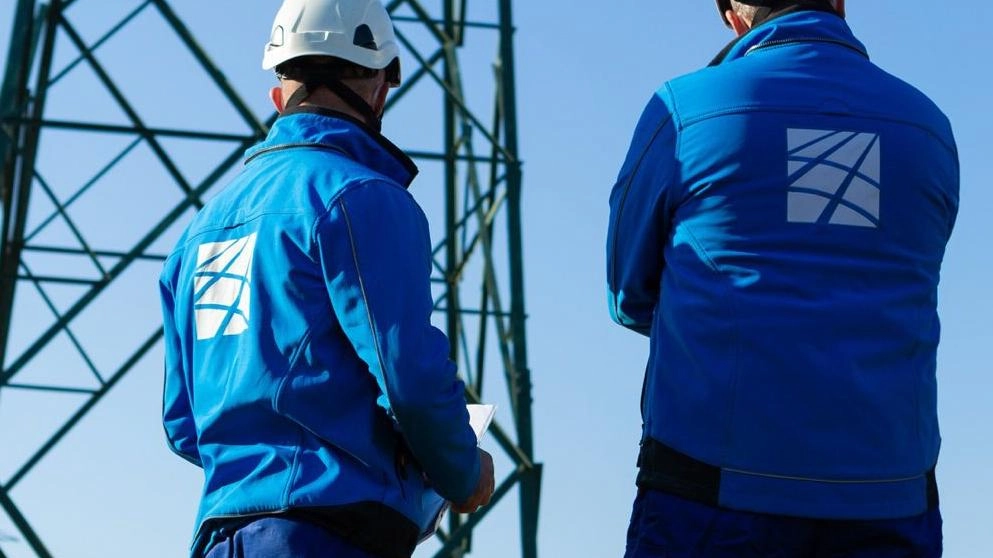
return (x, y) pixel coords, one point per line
(665, 469)
(369, 526)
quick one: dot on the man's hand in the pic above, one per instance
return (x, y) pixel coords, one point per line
(484, 488)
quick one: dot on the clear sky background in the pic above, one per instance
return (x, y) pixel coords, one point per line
(585, 70)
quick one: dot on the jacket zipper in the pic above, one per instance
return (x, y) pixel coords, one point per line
(782, 42)
(284, 147)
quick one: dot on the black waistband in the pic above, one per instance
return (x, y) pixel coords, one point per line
(369, 526)
(665, 469)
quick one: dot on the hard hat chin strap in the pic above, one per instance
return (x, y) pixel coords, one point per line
(345, 93)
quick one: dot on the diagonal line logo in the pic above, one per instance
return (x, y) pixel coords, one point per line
(222, 287)
(834, 177)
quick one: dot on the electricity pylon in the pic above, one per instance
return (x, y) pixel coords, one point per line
(58, 263)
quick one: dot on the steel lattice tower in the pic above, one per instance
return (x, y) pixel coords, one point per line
(56, 265)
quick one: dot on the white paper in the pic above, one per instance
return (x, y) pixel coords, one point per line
(480, 418)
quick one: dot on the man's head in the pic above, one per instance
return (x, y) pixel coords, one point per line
(740, 15)
(342, 54)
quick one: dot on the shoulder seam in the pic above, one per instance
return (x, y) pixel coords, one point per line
(336, 199)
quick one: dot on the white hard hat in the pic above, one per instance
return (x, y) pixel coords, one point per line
(359, 31)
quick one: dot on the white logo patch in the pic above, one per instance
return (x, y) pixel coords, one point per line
(834, 177)
(223, 287)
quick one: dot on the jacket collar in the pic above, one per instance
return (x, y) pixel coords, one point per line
(804, 26)
(318, 127)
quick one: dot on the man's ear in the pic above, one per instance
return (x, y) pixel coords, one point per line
(379, 102)
(739, 25)
(276, 96)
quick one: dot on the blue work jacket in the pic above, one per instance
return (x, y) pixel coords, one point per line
(302, 369)
(777, 230)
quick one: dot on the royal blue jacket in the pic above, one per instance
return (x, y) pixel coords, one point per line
(777, 230)
(301, 365)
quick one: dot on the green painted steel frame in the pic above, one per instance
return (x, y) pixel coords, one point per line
(475, 203)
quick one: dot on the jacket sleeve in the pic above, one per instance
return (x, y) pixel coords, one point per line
(177, 415)
(640, 220)
(376, 254)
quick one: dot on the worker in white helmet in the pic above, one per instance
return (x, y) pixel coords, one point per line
(302, 371)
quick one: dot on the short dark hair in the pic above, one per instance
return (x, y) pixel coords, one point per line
(304, 67)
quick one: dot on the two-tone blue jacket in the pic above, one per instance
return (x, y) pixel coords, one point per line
(301, 364)
(778, 229)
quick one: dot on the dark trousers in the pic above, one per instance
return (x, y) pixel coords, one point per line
(277, 537)
(667, 526)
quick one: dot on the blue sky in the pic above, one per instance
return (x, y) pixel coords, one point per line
(585, 70)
